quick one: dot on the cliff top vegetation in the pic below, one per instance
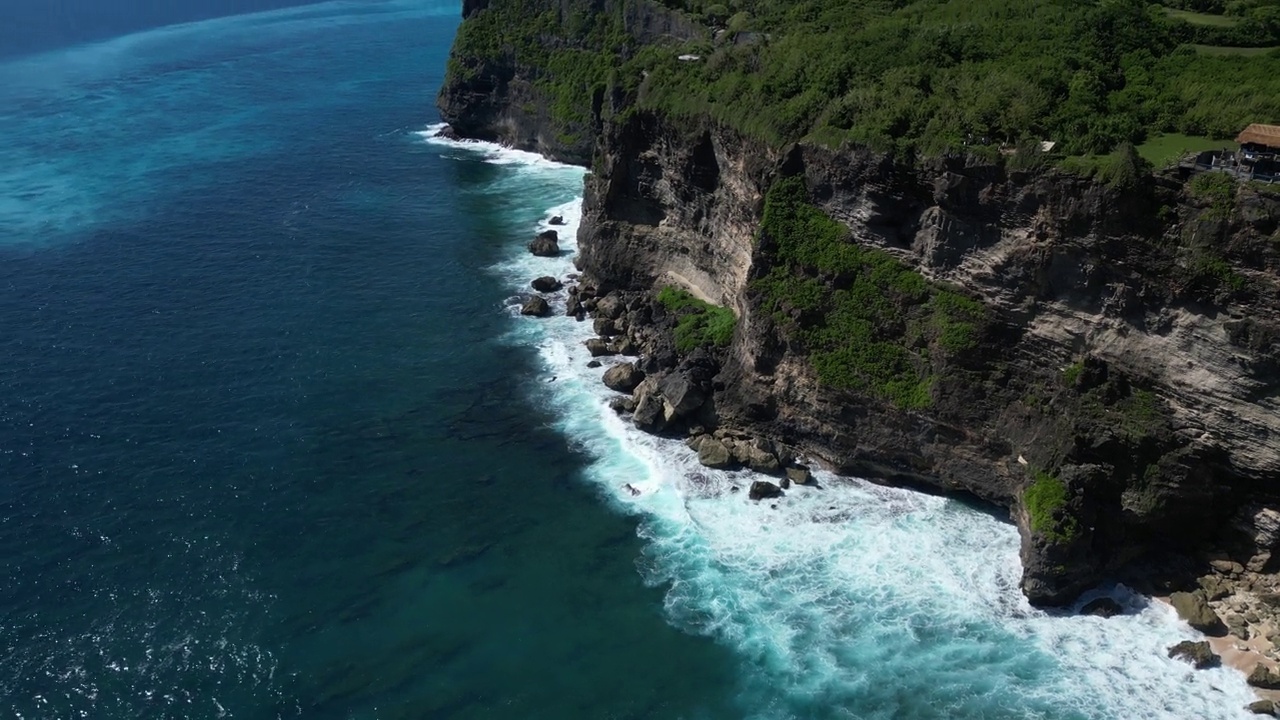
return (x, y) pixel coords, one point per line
(923, 77)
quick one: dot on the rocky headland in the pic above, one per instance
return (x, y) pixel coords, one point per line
(1096, 355)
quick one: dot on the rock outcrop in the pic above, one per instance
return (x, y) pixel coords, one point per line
(1193, 607)
(546, 284)
(764, 490)
(546, 244)
(535, 307)
(1264, 677)
(1262, 707)
(1199, 654)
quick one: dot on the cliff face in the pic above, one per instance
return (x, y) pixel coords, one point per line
(496, 90)
(1149, 390)
(1119, 394)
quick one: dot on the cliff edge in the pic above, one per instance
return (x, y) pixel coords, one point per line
(1096, 354)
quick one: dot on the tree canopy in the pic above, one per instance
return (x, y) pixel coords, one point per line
(925, 77)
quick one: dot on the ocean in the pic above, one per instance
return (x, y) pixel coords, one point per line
(275, 442)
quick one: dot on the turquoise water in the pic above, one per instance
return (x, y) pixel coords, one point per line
(273, 442)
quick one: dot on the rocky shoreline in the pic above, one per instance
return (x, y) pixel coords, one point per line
(669, 393)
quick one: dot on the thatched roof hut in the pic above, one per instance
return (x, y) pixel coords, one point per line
(1258, 134)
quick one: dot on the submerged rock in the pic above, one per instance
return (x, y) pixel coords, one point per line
(623, 378)
(556, 220)
(1194, 608)
(546, 283)
(1199, 654)
(761, 490)
(535, 307)
(623, 404)
(1102, 607)
(593, 364)
(547, 244)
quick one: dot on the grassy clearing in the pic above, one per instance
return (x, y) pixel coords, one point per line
(1166, 149)
(1205, 19)
(1224, 51)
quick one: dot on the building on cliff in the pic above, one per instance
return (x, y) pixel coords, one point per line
(1260, 151)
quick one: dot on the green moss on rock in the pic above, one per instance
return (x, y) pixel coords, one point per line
(1046, 500)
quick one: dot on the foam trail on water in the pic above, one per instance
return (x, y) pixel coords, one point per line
(492, 153)
(850, 600)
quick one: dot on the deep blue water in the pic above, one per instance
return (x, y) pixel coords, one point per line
(262, 446)
(273, 444)
(28, 26)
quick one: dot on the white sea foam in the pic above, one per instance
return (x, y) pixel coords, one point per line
(492, 153)
(851, 599)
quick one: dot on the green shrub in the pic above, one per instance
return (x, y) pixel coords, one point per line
(1045, 499)
(866, 320)
(1219, 189)
(1215, 271)
(1120, 169)
(699, 324)
(1072, 374)
(964, 76)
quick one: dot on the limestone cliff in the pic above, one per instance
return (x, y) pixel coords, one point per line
(1118, 394)
(1114, 361)
(500, 90)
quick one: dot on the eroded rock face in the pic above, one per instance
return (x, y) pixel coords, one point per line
(499, 100)
(1087, 314)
